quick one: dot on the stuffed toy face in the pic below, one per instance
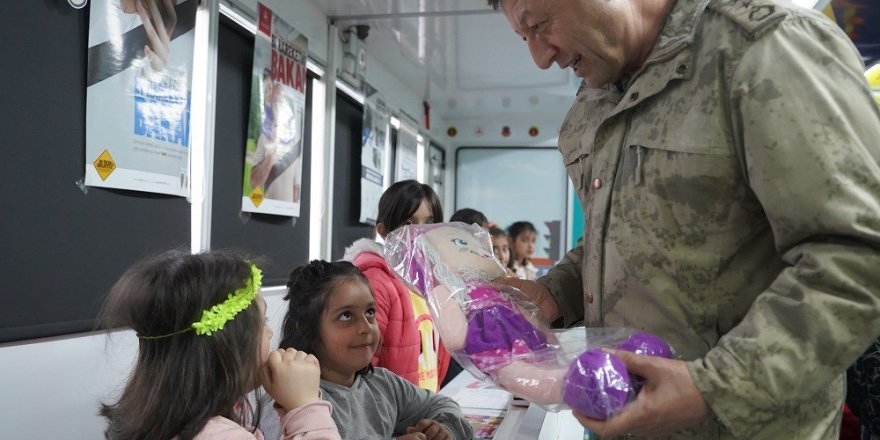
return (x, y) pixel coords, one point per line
(464, 254)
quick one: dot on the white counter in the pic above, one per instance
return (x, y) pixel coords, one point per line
(519, 423)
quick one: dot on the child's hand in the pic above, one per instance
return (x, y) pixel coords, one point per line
(292, 378)
(412, 436)
(432, 429)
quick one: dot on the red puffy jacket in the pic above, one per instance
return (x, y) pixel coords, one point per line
(401, 342)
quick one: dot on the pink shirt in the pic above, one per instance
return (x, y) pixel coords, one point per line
(310, 421)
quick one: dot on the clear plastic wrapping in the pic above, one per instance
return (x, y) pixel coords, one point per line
(499, 335)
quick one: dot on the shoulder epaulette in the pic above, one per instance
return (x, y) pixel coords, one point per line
(754, 17)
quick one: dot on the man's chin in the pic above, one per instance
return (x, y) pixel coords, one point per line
(594, 81)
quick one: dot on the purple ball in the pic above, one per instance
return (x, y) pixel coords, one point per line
(597, 384)
(646, 344)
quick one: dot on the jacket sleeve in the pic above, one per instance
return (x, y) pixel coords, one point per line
(565, 283)
(384, 304)
(807, 128)
(414, 404)
(311, 421)
(443, 360)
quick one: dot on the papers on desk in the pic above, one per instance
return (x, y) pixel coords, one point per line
(485, 425)
(480, 395)
(484, 407)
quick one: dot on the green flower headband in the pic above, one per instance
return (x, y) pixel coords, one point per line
(217, 316)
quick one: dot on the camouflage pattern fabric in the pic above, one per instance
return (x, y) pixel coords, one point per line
(732, 195)
(863, 391)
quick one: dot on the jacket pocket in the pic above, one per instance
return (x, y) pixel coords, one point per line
(688, 198)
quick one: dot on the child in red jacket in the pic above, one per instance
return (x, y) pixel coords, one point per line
(411, 346)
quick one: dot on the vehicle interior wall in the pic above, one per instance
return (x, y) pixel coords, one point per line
(462, 60)
(63, 378)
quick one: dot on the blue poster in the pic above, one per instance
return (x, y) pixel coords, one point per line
(138, 95)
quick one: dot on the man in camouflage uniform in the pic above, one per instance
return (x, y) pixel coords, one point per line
(726, 154)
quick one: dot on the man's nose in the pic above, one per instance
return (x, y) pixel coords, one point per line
(542, 52)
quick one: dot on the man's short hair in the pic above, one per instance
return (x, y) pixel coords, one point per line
(495, 4)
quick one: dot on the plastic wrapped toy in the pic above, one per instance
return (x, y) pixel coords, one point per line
(497, 333)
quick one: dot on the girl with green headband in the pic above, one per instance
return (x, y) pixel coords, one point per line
(203, 346)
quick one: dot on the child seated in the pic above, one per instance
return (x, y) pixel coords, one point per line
(332, 313)
(203, 345)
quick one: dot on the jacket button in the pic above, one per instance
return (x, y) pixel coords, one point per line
(597, 183)
(633, 96)
(590, 298)
(681, 69)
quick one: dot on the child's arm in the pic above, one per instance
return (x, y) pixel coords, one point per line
(310, 421)
(415, 404)
(292, 378)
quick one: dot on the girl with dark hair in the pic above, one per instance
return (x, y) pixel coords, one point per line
(522, 237)
(410, 345)
(332, 313)
(501, 248)
(203, 345)
(470, 216)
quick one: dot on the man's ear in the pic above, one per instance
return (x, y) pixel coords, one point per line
(382, 230)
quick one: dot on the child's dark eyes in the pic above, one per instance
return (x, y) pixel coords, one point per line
(346, 316)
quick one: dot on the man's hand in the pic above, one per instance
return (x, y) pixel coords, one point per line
(432, 429)
(537, 293)
(669, 400)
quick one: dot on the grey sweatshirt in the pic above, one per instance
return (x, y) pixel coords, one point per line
(381, 405)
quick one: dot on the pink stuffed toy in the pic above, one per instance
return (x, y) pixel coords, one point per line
(496, 332)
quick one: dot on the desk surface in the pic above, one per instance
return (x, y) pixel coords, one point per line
(519, 423)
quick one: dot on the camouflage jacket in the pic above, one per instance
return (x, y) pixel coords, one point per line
(732, 195)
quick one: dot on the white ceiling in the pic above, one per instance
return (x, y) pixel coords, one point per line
(460, 54)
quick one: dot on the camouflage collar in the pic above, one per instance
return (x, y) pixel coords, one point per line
(678, 31)
(680, 27)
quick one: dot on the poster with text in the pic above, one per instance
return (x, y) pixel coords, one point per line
(274, 146)
(406, 159)
(374, 144)
(138, 92)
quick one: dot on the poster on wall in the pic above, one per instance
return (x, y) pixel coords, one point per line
(406, 159)
(138, 88)
(374, 142)
(274, 147)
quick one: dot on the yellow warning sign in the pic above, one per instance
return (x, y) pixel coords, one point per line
(257, 196)
(104, 165)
